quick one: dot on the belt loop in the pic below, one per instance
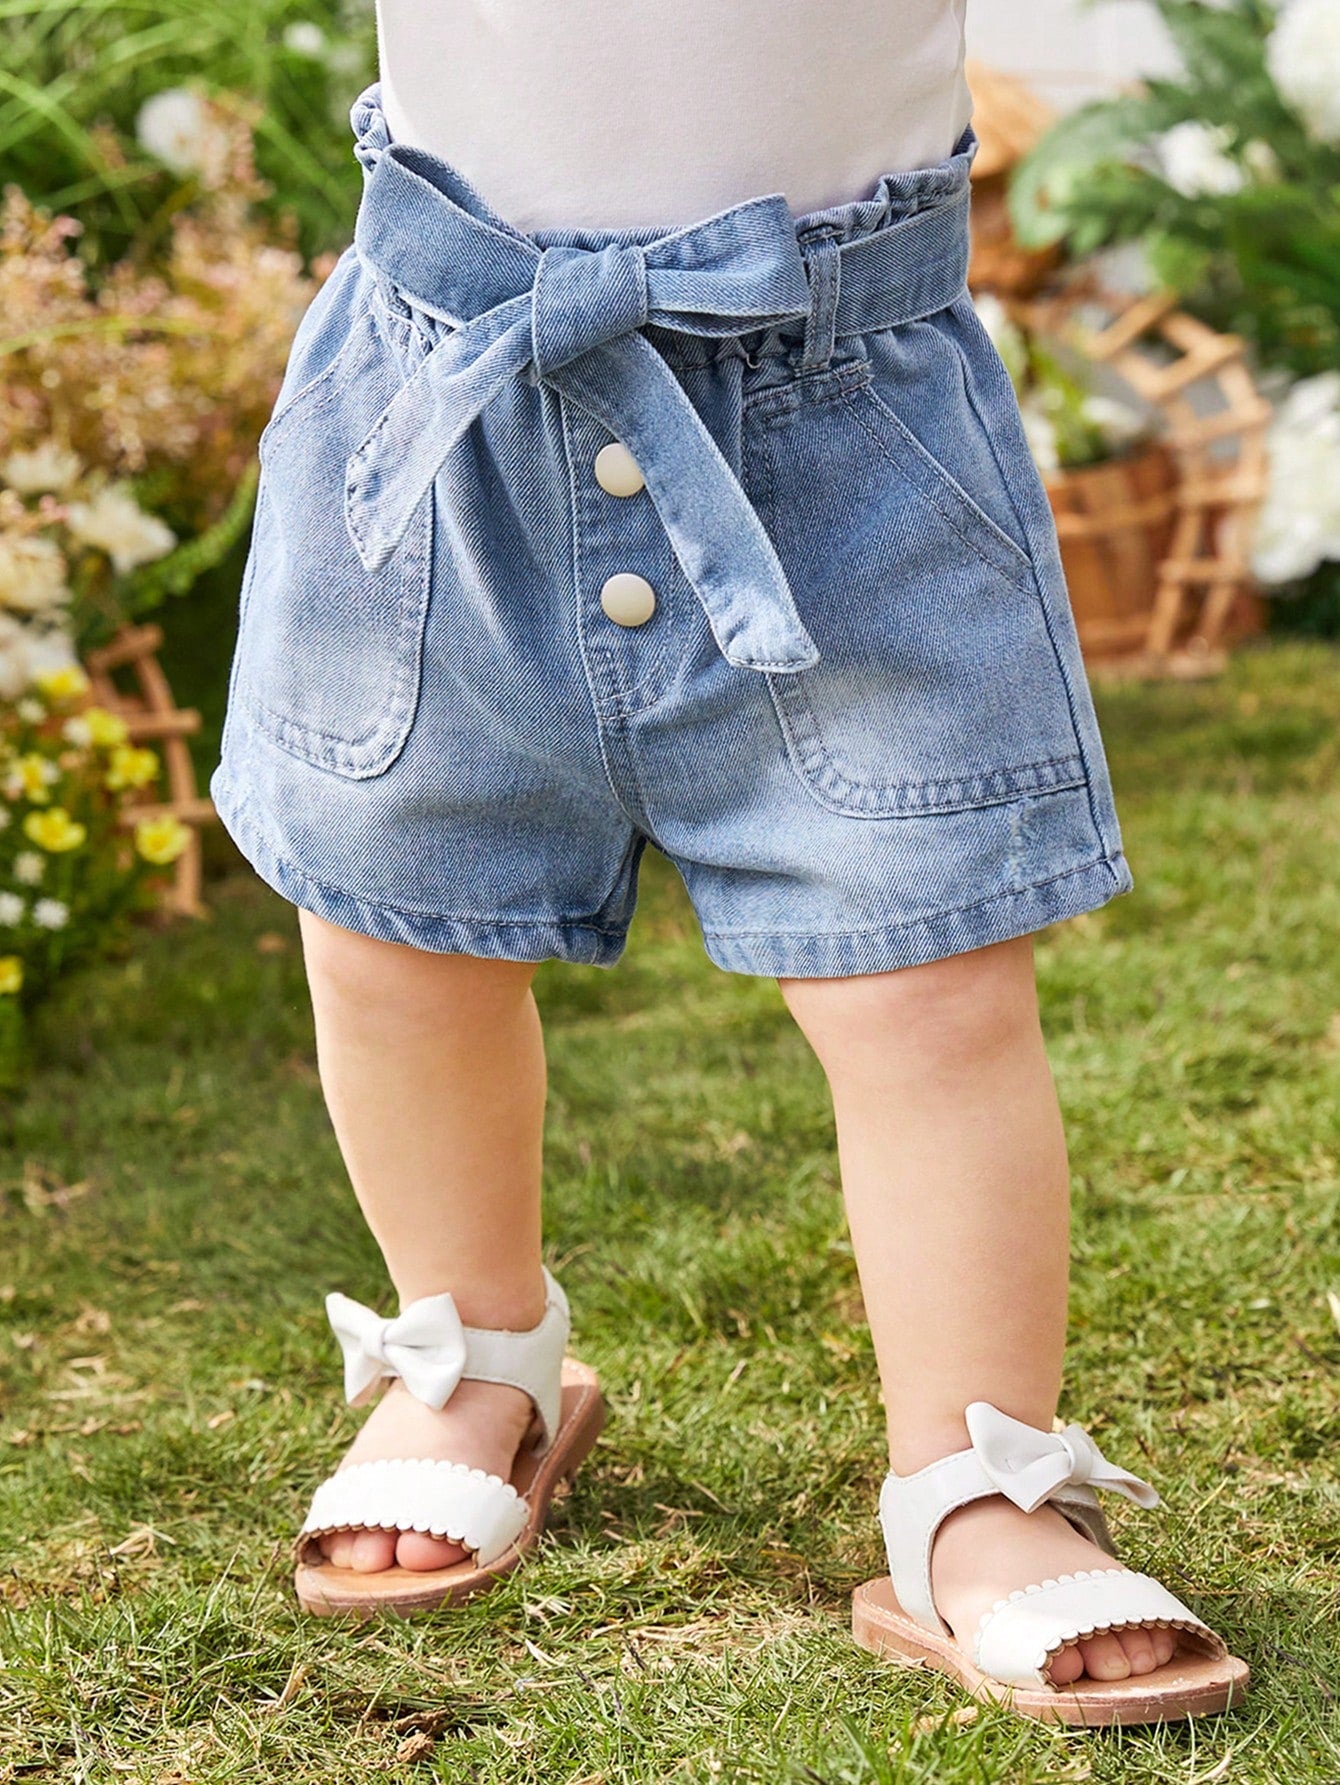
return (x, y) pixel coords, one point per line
(822, 263)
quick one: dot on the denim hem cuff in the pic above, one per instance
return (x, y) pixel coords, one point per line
(930, 938)
(500, 939)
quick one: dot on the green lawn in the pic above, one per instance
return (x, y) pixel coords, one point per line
(173, 1209)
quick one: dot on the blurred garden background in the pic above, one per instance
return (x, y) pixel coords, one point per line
(1158, 257)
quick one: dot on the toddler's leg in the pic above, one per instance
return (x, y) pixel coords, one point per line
(433, 1071)
(956, 1180)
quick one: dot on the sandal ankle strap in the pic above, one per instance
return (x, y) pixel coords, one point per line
(1007, 1456)
(431, 1351)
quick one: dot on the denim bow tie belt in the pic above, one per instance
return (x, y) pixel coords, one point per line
(569, 318)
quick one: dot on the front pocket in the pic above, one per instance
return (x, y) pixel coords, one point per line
(939, 687)
(329, 655)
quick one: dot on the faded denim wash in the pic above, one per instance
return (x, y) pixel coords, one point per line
(857, 720)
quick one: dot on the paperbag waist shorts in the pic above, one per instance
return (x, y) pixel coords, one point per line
(724, 537)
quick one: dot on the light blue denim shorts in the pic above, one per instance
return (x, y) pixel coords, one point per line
(725, 538)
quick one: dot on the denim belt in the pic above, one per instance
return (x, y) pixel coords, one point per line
(569, 318)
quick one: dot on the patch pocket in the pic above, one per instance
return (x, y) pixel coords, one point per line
(939, 686)
(330, 655)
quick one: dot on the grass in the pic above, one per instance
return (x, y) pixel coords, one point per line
(173, 1208)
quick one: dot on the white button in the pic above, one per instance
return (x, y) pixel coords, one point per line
(617, 470)
(628, 599)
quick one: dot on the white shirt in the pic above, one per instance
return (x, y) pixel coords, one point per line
(633, 113)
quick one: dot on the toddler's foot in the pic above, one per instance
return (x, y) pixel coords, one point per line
(989, 1549)
(482, 1425)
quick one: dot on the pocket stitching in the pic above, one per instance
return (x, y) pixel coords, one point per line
(939, 476)
(818, 763)
(374, 751)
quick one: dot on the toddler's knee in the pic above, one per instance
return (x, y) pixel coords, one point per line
(944, 1013)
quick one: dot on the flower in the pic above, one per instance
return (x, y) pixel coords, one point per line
(29, 867)
(11, 973)
(305, 39)
(62, 682)
(161, 840)
(54, 830)
(31, 711)
(1303, 56)
(114, 522)
(32, 573)
(29, 776)
(95, 725)
(12, 909)
(1298, 527)
(178, 128)
(45, 467)
(131, 767)
(51, 914)
(1194, 163)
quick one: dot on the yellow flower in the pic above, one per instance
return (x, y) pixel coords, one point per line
(103, 727)
(131, 767)
(63, 683)
(54, 830)
(11, 973)
(161, 840)
(30, 777)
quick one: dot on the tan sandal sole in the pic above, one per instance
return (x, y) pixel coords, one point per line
(1187, 1686)
(327, 1591)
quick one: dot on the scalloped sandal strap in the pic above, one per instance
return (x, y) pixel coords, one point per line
(1020, 1636)
(481, 1512)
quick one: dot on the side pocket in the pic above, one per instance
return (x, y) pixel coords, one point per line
(939, 687)
(329, 656)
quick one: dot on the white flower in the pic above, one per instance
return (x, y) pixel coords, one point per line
(1193, 161)
(1117, 421)
(305, 39)
(46, 467)
(1303, 56)
(12, 909)
(32, 573)
(29, 867)
(75, 729)
(32, 712)
(116, 524)
(1298, 527)
(51, 914)
(27, 651)
(176, 126)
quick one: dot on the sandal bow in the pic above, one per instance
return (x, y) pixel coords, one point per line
(425, 1346)
(1029, 1466)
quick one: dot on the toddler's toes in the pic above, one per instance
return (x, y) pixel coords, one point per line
(371, 1551)
(1165, 1646)
(1139, 1649)
(1105, 1658)
(1066, 1667)
(416, 1550)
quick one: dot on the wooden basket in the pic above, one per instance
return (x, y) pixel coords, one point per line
(153, 718)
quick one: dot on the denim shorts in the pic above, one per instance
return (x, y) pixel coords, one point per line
(724, 537)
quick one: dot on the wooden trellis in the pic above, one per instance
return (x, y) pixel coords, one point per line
(1214, 428)
(153, 718)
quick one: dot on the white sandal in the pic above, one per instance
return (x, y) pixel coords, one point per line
(497, 1521)
(1019, 1637)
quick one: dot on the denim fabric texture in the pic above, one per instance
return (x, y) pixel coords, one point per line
(856, 718)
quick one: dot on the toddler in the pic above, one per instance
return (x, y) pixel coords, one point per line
(643, 473)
